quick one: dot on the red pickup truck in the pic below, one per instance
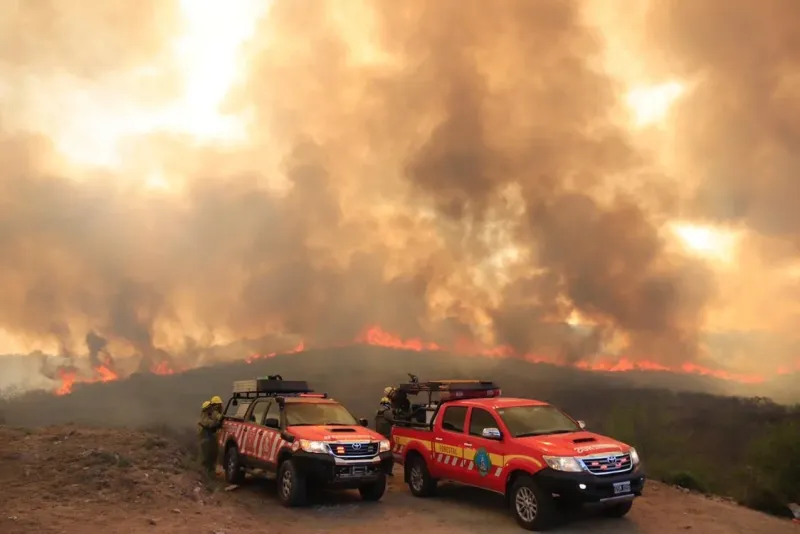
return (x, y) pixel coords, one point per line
(283, 429)
(539, 458)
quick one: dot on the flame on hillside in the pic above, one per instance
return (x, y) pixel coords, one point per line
(102, 373)
(378, 337)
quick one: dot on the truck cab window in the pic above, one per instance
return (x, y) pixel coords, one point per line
(274, 412)
(480, 419)
(259, 410)
(454, 418)
(238, 410)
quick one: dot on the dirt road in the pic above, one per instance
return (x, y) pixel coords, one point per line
(70, 480)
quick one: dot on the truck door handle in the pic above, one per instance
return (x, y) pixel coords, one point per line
(438, 439)
(468, 444)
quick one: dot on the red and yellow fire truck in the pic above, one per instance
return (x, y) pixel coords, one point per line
(531, 452)
(281, 428)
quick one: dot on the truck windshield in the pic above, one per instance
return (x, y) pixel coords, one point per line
(525, 421)
(310, 414)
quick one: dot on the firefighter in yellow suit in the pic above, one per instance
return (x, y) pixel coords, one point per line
(210, 423)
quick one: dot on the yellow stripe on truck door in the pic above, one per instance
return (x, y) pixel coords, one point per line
(449, 450)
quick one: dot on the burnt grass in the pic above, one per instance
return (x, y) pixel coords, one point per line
(691, 431)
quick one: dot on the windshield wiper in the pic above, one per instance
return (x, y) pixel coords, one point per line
(337, 424)
(544, 433)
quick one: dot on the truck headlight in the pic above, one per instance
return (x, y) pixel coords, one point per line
(634, 457)
(564, 463)
(314, 446)
(385, 446)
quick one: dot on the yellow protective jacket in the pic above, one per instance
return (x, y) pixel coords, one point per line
(210, 422)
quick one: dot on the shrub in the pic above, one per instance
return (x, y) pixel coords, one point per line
(686, 480)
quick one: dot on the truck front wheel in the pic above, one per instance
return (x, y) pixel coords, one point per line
(419, 478)
(374, 490)
(533, 508)
(292, 490)
(234, 474)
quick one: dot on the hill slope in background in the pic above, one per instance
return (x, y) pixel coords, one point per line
(354, 375)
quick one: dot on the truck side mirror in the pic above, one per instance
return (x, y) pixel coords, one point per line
(272, 422)
(492, 433)
(363, 421)
(582, 424)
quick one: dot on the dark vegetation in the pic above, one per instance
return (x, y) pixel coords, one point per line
(746, 448)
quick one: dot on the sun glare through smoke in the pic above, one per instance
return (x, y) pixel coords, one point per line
(651, 104)
(707, 242)
(98, 117)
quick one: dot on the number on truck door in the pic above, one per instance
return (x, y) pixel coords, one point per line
(448, 444)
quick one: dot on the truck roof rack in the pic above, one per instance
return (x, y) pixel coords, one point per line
(270, 386)
(447, 391)
(452, 386)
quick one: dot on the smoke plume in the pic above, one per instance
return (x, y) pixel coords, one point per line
(443, 170)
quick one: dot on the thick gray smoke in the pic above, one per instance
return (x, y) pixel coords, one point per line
(440, 169)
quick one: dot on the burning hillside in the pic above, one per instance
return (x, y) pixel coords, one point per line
(375, 336)
(554, 181)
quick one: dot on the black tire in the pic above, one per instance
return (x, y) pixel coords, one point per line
(420, 482)
(292, 486)
(533, 508)
(374, 490)
(618, 510)
(234, 471)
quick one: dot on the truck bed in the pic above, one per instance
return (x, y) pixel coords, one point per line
(403, 436)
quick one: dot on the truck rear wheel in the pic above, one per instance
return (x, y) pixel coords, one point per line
(419, 478)
(374, 490)
(533, 508)
(292, 489)
(234, 473)
(618, 510)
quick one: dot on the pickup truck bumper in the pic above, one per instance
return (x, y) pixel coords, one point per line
(343, 473)
(585, 488)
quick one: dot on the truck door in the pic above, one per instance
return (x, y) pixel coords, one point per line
(484, 456)
(255, 428)
(271, 436)
(448, 444)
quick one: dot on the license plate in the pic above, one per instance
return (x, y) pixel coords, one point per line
(622, 487)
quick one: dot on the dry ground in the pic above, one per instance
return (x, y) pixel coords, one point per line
(75, 480)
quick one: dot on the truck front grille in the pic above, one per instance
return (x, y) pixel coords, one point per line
(608, 465)
(353, 450)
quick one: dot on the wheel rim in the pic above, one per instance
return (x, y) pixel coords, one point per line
(232, 464)
(286, 483)
(416, 478)
(526, 504)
